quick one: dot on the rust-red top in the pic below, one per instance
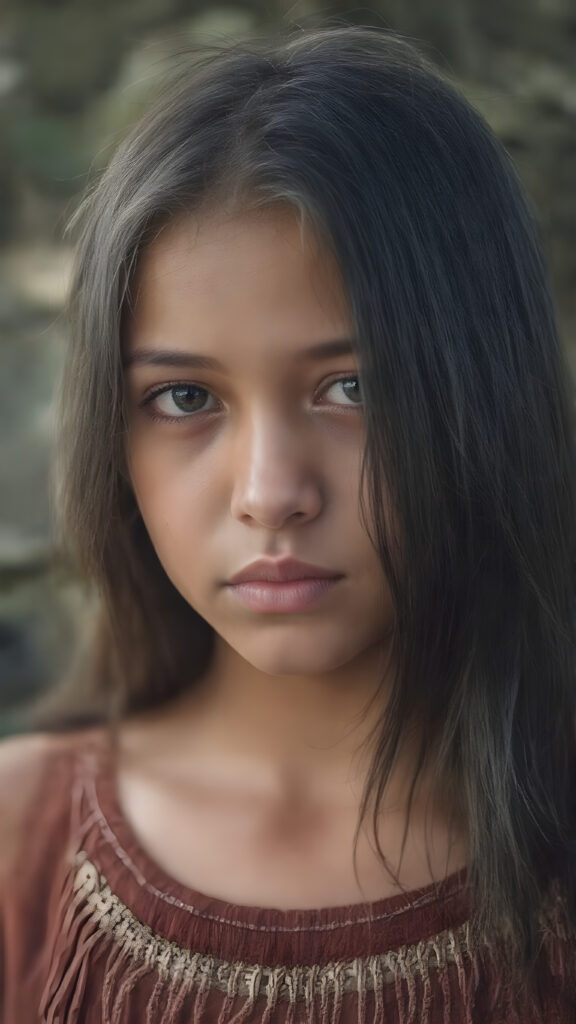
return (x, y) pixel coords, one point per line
(94, 931)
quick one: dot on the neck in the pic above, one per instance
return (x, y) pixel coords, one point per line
(297, 746)
(286, 735)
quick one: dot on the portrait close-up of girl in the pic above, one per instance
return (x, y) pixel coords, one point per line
(315, 757)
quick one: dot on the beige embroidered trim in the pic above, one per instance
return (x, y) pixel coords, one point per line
(113, 918)
(436, 979)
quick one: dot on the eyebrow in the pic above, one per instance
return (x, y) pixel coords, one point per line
(165, 357)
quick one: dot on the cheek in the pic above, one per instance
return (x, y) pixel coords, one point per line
(172, 505)
(165, 479)
(152, 486)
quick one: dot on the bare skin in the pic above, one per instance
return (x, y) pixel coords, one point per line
(249, 789)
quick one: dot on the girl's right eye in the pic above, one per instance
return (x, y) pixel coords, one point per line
(177, 401)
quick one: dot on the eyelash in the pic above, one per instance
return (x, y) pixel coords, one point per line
(166, 388)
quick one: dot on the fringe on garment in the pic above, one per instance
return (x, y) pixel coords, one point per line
(439, 979)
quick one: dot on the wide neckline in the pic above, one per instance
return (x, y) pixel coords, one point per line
(131, 857)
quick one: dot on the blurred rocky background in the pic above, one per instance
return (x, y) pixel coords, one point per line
(74, 74)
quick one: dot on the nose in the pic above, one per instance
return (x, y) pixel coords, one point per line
(276, 479)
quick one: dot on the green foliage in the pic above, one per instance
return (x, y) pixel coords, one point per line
(43, 149)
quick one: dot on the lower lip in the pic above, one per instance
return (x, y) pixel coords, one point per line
(294, 596)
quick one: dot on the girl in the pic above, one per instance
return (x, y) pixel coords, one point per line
(318, 458)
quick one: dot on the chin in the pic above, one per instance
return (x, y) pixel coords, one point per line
(294, 659)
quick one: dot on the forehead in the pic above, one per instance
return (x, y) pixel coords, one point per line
(261, 269)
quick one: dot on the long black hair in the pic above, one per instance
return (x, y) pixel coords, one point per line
(468, 404)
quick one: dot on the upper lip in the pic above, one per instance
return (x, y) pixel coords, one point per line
(281, 571)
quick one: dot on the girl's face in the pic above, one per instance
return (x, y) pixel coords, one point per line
(246, 434)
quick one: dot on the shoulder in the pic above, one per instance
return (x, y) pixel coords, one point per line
(21, 762)
(22, 759)
(27, 762)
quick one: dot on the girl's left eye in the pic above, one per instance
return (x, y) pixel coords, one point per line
(350, 387)
(181, 401)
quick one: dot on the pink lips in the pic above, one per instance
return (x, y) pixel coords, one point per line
(282, 585)
(281, 571)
